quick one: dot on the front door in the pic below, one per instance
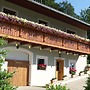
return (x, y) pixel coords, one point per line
(59, 69)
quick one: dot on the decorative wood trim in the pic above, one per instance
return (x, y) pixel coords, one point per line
(29, 35)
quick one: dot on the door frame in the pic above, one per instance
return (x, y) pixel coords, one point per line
(55, 60)
(59, 76)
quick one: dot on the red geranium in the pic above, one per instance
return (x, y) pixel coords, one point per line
(72, 71)
(42, 65)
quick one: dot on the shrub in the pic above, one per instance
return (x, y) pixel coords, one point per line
(87, 87)
(56, 87)
(5, 76)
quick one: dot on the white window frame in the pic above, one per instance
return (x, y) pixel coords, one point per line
(42, 57)
(44, 21)
(10, 9)
(71, 30)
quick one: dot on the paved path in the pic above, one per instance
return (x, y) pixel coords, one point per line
(77, 84)
(30, 88)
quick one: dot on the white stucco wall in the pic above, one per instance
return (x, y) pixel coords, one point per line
(81, 63)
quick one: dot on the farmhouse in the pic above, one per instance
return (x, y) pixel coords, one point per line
(43, 43)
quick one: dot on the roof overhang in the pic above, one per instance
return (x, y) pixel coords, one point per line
(45, 10)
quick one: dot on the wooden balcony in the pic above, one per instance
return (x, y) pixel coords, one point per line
(32, 36)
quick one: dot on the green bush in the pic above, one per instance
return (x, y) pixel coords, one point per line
(5, 76)
(56, 87)
(87, 87)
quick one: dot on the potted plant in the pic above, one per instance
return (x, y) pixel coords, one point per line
(53, 80)
(42, 66)
(64, 77)
(88, 66)
(85, 70)
(72, 71)
(80, 73)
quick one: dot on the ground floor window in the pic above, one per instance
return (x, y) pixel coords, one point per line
(41, 62)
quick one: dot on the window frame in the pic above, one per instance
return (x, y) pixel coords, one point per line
(10, 9)
(44, 21)
(42, 57)
(70, 30)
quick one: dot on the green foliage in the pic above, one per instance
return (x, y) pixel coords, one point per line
(87, 87)
(63, 6)
(51, 3)
(5, 76)
(85, 15)
(88, 59)
(67, 8)
(56, 87)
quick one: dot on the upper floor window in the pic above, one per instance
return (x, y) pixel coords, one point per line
(70, 31)
(43, 22)
(9, 11)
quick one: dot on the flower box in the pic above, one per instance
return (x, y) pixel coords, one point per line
(41, 66)
(81, 73)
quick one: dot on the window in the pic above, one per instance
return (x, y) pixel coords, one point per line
(8, 11)
(70, 31)
(43, 22)
(41, 62)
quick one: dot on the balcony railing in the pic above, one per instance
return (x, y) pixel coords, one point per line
(30, 32)
(32, 36)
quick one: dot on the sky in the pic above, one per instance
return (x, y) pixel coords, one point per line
(78, 4)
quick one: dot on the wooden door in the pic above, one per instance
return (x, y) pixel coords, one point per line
(59, 69)
(20, 77)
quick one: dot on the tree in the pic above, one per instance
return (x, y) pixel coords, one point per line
(51, 3)
(67, 8)
(87, 87)
(63, 6)
(5, 76)
(85, 16)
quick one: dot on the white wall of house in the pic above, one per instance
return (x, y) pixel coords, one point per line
(42, 77)
(81, 63)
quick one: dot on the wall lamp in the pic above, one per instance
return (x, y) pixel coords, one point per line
(17, 46)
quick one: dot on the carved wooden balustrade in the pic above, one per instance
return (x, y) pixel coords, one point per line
(31, 35)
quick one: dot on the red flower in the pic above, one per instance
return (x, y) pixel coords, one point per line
(42, 65)
(72, 71)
